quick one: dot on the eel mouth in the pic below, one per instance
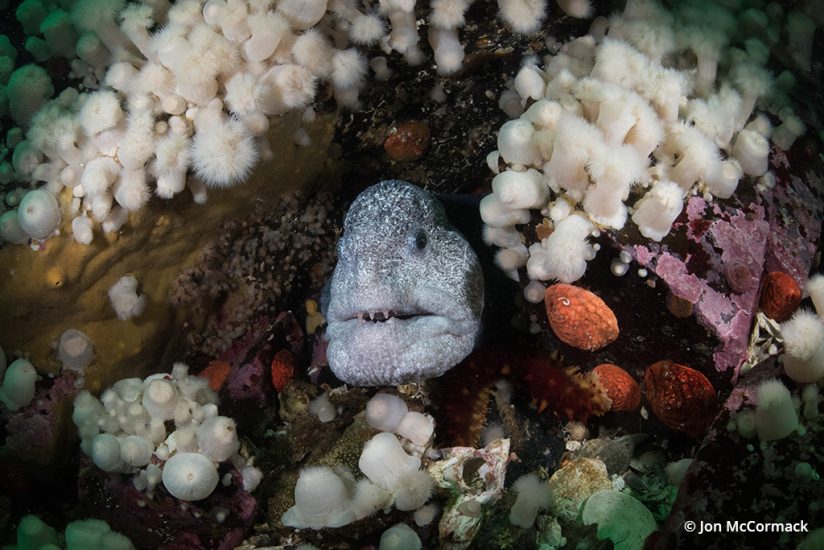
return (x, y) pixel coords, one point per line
(385, 315)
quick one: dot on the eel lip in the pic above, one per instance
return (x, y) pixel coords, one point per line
(384, 315)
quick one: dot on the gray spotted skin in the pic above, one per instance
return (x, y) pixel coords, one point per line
(434, 292)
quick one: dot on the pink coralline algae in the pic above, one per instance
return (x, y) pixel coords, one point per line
(250, 357)
(729, 249)
(162, 521)
(742, 241)
(795, 215)
(34, 428)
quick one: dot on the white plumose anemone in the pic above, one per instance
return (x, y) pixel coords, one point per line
(125, 300)
(217, 438)
(385, 411)
(775, 415)
(321, 500)
(190, 476)
(384, 461)
(804, 347)
(415, 489)
(533, 494)
(39, 214)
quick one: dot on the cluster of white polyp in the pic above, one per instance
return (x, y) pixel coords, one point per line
(163, 429)
(627, 122)
(180, 95)
(327, 497)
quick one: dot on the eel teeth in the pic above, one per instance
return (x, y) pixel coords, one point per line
(382, 316)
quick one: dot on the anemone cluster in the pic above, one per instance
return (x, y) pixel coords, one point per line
(177, 95)
(629, 120)
(126, 431)
(332, 498)
(34, 534)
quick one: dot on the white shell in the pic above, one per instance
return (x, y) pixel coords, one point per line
(189, 476)
(385, 411)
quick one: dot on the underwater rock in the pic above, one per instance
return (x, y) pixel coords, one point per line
(573, 484)
(733, 477)
(37, 436)
(620, 518)
(754, 234)
(173, 524)
(616, 453)
(69, 280)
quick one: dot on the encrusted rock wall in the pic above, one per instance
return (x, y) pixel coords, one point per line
(64, 284)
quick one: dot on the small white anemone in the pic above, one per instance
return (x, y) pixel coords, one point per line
(400, 537)
(223, 150)
(415, 490)
(125, 300)
(136, 450)
(160, 398)
(516, 143)
(190, 476)
(384, 461)
(321, 500)
(10, 229)
(217, 438)
(524, 16)
(323, 408)
(75, 350)
(105, 453)
(804, 346)
(533, 495)
(18, 388)
(416, 427)
(39, 214)
(775, 416)
(385, 411)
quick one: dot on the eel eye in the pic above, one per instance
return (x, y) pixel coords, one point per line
(420, 239)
